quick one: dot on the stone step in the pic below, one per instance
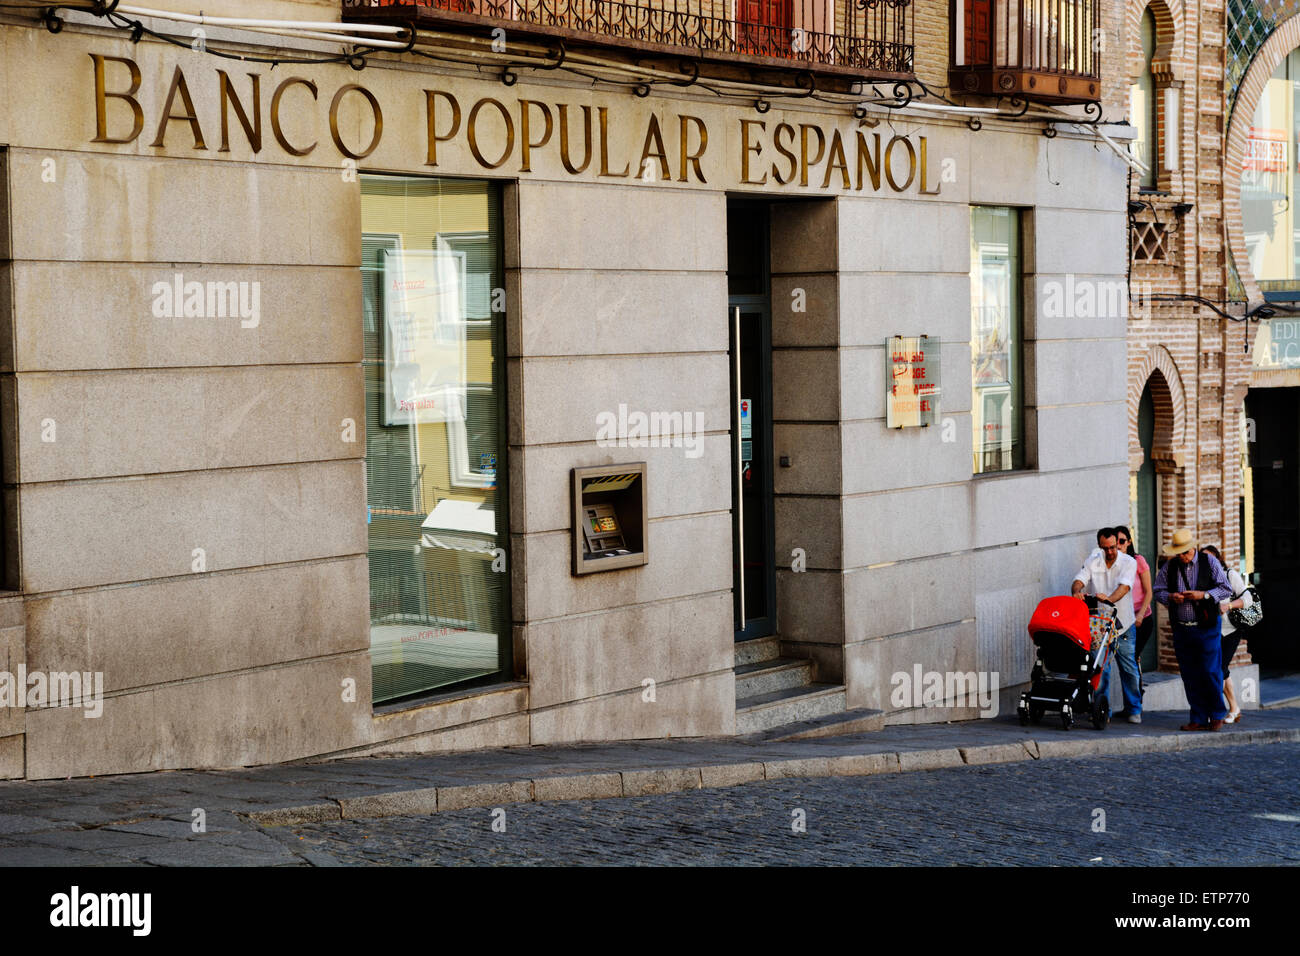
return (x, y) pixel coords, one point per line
(788, 706)
(760, 649)
(860, 721)
(767, 676)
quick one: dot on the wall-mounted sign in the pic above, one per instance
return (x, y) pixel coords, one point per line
(1278, 344)
(424, 336)
(911, 380)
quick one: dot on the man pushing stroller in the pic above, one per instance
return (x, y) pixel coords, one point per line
(1109, 574)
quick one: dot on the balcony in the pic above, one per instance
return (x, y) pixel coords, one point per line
(1040, 50)
(851, 39)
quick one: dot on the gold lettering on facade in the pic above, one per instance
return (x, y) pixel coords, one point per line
(871, 162)
(746, 149)
(179, 86)
(102, 95)
(526, 144)
(889, 165)
(788, 154)
(778, 159)
(805, 162)
(471, 129)
(687, 156)
(227, 96)
(275, 114)
(924, 171)
(655, 134)
(837, 149)
(334, 120)
(602, 114)
(431, 121)
(565, 158)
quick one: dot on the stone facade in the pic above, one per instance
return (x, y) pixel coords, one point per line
(195, 530)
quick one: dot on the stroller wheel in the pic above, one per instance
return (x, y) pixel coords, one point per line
(1100, 712)
(1067, 720)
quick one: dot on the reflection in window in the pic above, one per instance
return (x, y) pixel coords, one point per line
(996, 340)
(1142, 105)
(1268, 181)
(433, 331)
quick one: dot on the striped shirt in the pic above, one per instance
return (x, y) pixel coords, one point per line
(1177, 577)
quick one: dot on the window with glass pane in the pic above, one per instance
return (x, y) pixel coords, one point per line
(433, 320)
(1142, 105)
(1268, 183)
(996, 340)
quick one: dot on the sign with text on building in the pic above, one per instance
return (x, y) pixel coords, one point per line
(911, 380)
(412, 121)
(1277, 346)
(424, 336)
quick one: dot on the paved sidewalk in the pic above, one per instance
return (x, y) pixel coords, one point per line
(1280, 691)
(96, 821)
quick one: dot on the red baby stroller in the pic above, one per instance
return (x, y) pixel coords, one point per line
(1075, 641)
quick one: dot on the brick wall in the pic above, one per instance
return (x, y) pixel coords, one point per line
(1194, 358)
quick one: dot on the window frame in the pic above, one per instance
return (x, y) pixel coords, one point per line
(1018, 353)
(504, 200)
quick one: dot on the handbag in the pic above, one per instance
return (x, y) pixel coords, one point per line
(1248, 616)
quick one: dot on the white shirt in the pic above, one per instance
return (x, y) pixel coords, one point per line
(1238, 587)
(1096, 578)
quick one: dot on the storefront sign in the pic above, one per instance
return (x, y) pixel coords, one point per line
(1277, 346)
(911, 381)
(458, 129)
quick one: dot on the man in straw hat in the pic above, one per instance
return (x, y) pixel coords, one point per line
(1186, 580)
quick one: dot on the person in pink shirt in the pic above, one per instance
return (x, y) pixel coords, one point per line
(1142, 606)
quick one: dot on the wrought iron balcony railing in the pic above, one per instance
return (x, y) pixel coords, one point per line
(1046, 50)
(862, 38)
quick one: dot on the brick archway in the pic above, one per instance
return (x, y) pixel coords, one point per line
(1158, 369)
(1275, 49)
(1169, 40)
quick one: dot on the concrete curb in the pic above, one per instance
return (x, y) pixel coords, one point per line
(640, 783)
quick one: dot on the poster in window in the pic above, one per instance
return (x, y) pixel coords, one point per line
(992, 329)
(424, 336)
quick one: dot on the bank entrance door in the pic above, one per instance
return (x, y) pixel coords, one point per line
(750, 320)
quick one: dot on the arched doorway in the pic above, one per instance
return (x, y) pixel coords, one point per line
(1146, 518)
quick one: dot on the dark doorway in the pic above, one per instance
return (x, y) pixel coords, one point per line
(1148, 506)
(1274, 461)
(750, 320)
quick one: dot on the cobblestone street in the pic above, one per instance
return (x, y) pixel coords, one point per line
(1212, 807)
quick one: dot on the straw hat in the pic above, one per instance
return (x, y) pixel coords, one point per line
(1183, 541)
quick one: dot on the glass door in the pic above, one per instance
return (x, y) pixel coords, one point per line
(752, 513)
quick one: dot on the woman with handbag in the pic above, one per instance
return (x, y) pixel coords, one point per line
(1231, 636)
